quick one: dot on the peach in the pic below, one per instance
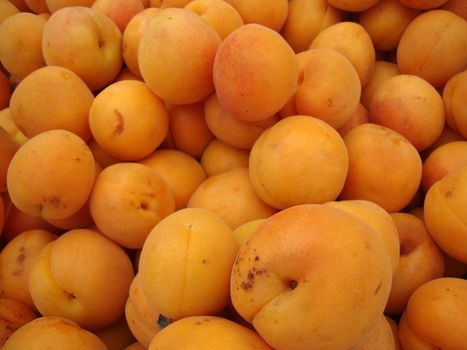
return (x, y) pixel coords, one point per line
(421, 261)
(434, 47)
(127, 201)
(51, 175)
(20, 44)
(120, 11)
(307, 18)
(445, 213)
(444, 159)
(244, 231)
(269, 13)
(181, 172)
(454, 101)
(219, 157)
(219, 14)
(176, 56)
(55, 5)
(16, 261)
(94, 53)
(411, 106)
(128, 120)
(329, 87)
(383, 71)
(352, 40)
(13, 315)
(250, 85)
(211, 332)
(37, 6)
(385, 23)
(132, 38)
(353, 5)
(391, 165)
(284, 161)
(52, 98)
(185, 264)
(379, 337)
(231, 130)
(8, 148)
(360, 116)
(423, 4)
(70, 278)
(435, 317)
(188, 132)
(289, 273)
(7, 9)
(53, 333)
(116, 336)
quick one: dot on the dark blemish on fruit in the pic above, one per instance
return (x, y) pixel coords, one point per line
(448, 194)
(21, 257)
(260, 272)
(256, 258)
(120, 124)
(330, 102)
(406, 248)
(198, 323)
(144, 205)
(163, 321)
(246, 285)
(293, 284)
(204, 261)
(17, 273)
(54, 201)
(206, 319)
(71, 296)
(251, 276)
(379, 287)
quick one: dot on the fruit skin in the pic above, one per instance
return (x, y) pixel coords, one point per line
(289, 273)
(13, 315)
(455, 103)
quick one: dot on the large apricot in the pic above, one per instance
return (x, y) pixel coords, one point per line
(219, 157)
(13, 315)
(454, 93)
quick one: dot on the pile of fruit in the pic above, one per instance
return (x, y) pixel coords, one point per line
(238, 174)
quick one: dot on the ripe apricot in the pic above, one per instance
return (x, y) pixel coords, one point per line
(8, 148)
(455, 103)
(353, 5)
(116, 336)
(13, 315)
(120, 11)
(360, 116)
(379, 337)
(423, 4)
(37, 6)
(219, 157)
(55, 5)
(7, 9)
(383, 71)
(244, 231)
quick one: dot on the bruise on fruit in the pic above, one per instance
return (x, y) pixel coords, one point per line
(448, 194)
(163, 321)
(120, 124)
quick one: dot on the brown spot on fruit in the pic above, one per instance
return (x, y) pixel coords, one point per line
(378, 287)
(120, 124)
(246, 286)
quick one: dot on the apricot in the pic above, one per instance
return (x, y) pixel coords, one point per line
(37, 6)
(20, 44)
(231, 130)
(116, 336)
(445, 213)
(420, 261)
(219, 157)
(7, 9)
(383, 71)
(53, 333)
(411, 106)
(307, 18)
(70, 278)
(181, 172)
(120, 11)
(132, 38)
(127, 201)
(448, 135)
(395, 332)
(454, 101)
(353, 5)
(13, 315)
(244, 231)
(284, 161)
(379, 337)
(176, 56)
(55, 5)
(435, 317)
(94, 54)
(329, 87)
(128, 120)
(434, 47)
(219, 14)
(8, 148)
(16, 260)
(52, 98)
(251, 85)
(289, 273)
(201, 332)
(423, 4)
(101, 156)
(7, 123)
(360, 116)
(135, 346)
(51, 175)
(185, 264)
(391, 165)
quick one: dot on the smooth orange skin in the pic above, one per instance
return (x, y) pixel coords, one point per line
(289, 273)
(230, 195)
(13, 315)
(244, 231)
(8, 148)
(53, 333)
(353, 5)
(219, 157)
(20, 43)
(128, 120)
(37, 6)
(434, 47)
(55, 5)
(94, 54)
(135, 346)
(127, 201)
(435, 315)
(350, 39)
(197, 332)
(411, 106)
(269, 13)
(445, 213)
(368, 177)
(176, 56)
(70, 278)
(444, 159)
(52, 98)
(181, 172)
(7, 9)
(423, 4)
(421, 261)
(101, 156)
(454, 101)
(360, 116)
(185, 264)
(16, 260)
(383, 71)
(307, 18)
(379, 337)
(231, 130)
(51, 175)
(120, 11)
(281, 179)
(116, 336)
(385, 23)
(219, 14)
(250, 85)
